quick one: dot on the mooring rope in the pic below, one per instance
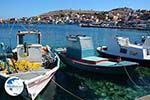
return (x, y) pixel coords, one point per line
(23, 27)
(9, 33)
(130, 78)
(11, 29)
(142, 79)
(67, 90)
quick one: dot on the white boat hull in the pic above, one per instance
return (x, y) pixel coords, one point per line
(33, 86)
(36, 85)
(32, 81)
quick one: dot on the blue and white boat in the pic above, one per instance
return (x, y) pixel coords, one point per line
(123, 48)
(80, 54)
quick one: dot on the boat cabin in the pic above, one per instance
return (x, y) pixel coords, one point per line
(29, 46)
(79, 47)
(141, 51)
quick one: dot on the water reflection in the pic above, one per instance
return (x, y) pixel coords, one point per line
(93, 86)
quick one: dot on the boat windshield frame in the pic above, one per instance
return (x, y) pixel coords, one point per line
(22, 34)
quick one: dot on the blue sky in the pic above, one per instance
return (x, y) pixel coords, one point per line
(20, 8)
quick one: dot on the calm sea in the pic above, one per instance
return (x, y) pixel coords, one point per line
(88, 86)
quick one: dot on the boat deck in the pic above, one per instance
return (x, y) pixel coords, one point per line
(30, 74)
(100, 61)
(106, 63)
(116, 64)
(94, 58)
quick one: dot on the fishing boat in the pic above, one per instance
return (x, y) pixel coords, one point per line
(123, 48)
(29, 67)
(80, 54)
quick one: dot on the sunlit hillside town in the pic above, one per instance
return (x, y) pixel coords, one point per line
(119, 17)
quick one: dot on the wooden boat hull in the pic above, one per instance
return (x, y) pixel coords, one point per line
(96, 68)
(145, 63)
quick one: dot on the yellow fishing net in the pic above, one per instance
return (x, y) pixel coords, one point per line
(25, 65)
(22, 66)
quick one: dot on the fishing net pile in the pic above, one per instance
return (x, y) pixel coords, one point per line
(19, 66)
(25, 65)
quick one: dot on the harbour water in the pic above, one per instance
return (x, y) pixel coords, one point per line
(89, 86)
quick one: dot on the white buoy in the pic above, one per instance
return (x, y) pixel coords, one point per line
(14, 86)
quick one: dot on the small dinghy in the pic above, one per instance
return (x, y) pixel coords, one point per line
(122, 47)
(28, 69)
(80, 54)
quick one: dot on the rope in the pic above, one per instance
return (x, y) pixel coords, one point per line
(141, 78)
(28, 27)
(11, 29)
(23, 27)
(67, 90)
(9, 33)
(130, 77)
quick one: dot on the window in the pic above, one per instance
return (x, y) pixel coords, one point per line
(134, 53)
(123, 50)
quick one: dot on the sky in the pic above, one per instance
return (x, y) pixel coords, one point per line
(28, 8)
